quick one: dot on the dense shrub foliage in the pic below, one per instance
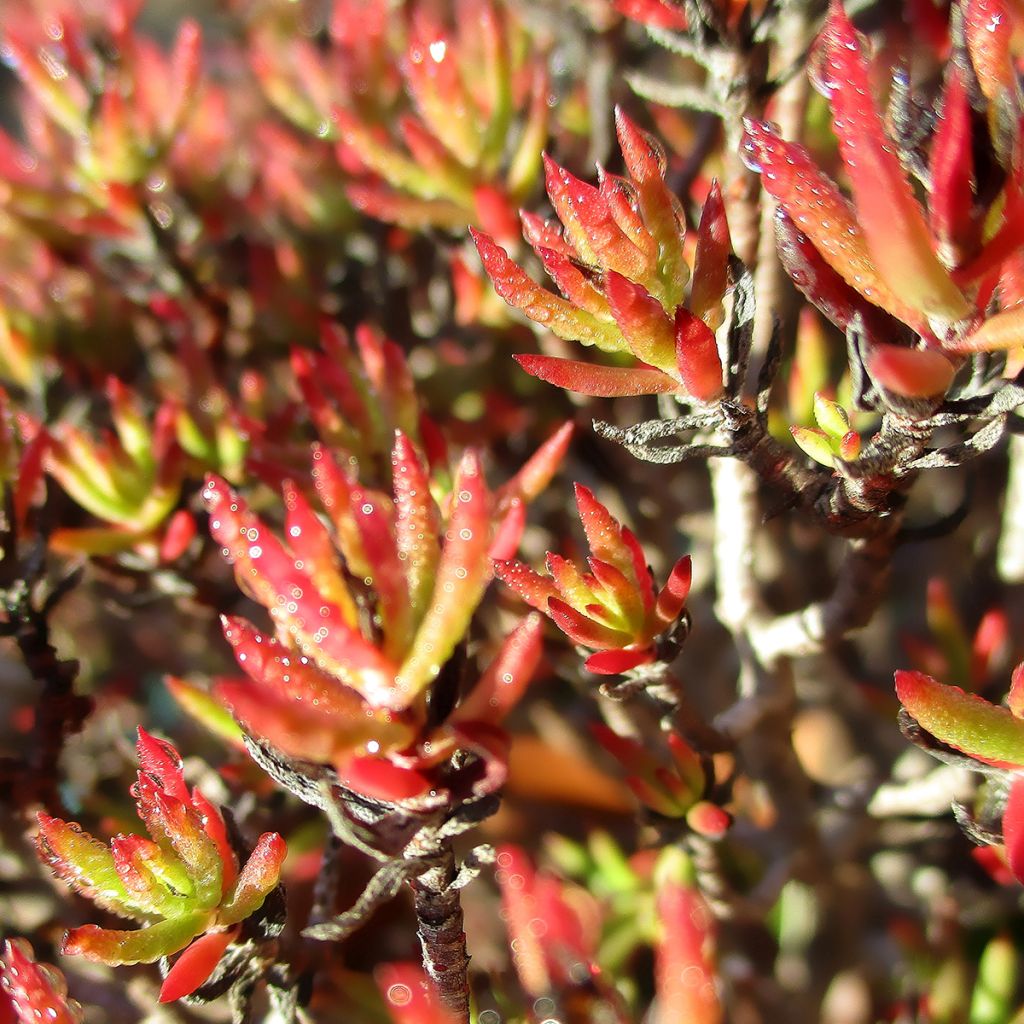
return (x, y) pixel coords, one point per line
(512, 513)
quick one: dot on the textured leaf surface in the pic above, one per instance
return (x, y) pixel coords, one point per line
(965, 721)
(597, 381)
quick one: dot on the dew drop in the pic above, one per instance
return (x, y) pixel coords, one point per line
(400, 995)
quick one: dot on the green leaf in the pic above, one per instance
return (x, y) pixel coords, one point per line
(144, 946)
(982, 730)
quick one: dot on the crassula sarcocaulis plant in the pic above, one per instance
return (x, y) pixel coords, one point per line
(310, 315)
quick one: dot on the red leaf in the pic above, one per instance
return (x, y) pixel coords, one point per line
(583, 630)
(894, 228)
(541, 466)
(610, 663)
(597, 381)
(696, 356)
(562, 318)
(952, 171)
(989, 26)
(590, 225)
(534, 589)
(417, 524)
(258, 877)
(381, 779)
(37, 991)
(711, 261)
(509, 531)
(612, 542)
(1013, 829)
(645, 160)
(1015, 698)
(823, 285)
(195, 965)
(462, 576)
(642, 320)
(672, 598)
(507, 676)
(911, 372)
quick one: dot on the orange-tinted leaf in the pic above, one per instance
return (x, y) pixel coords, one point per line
(820, 211)
(560, 317)
(911, 372)
(259, 875)
(195, 965)
(894, 228)
(507, 676)
(144, 946)
(612, 542)
(645, 161)
(597, 381)
(696, 356)
(541, 466)
(462, 575)
(534, 589)
(711, 262)
(684, 972)
(997, 333)
(642, 320)
(417, 524)
(37, 991)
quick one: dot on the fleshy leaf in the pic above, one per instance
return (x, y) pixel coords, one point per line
(997, 333)
(534, 589)
(611, 663)
(597, 381)
(195, 965)
(381, 779)
(37, 991)
(963, 720)
(673, 595)
(911, 372)
(644, 325)
(894, 227)
(696, 356)
(711, 262)
(820, 211)
(85, 864)
(951, 165)
(263, 568)
(645, 160)
(417, 524)
(462, 574)
(560, 317)
(143, 946)
(1013, 829)
(258, 877)
(503, 683)
(583, 630)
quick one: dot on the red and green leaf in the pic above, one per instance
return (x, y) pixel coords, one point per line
(598, 381)
(894, 227)
(965, 721)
